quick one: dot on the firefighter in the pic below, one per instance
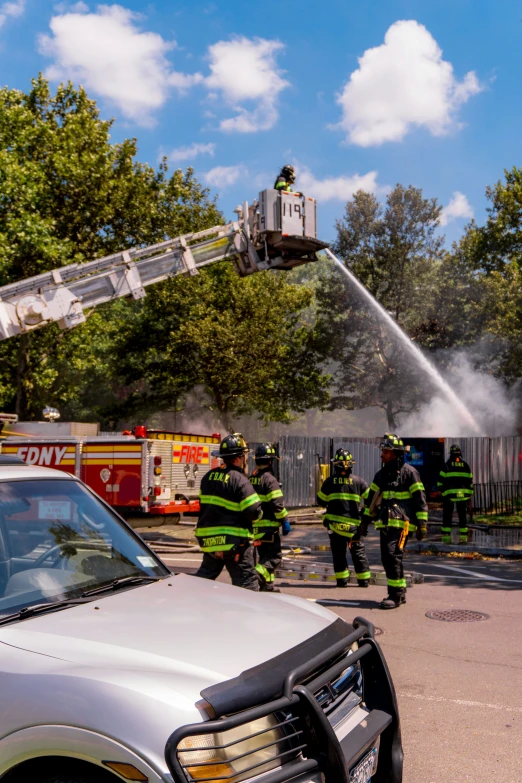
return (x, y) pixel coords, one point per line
(396, 495)
(456, 485)
(229, 505)
(285, 179)
(267, 540)
(343, 497)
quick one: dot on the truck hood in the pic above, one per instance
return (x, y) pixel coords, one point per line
(199, 632)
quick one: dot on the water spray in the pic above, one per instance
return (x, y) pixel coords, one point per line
(421, 360)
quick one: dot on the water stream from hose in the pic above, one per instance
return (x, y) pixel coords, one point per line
(421, 360)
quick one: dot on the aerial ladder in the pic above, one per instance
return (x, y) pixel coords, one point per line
(277, 231)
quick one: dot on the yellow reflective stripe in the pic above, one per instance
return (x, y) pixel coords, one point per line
(342, 574)
(422, 515)
(281, 514)
(249, 501)
(364, 575)
(203, 532)
(374, 487)
(365, 493)
(322, 496)
(393, 495)
(396, 582)
(399, 523)
(344, 496)
(266, 523)
(343, 520)
(457, 474)
(461, 491)
(417, 487)
(276, 493)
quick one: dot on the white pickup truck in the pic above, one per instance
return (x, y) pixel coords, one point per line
(112, 668)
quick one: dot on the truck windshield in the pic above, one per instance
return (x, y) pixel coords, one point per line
(57, 541)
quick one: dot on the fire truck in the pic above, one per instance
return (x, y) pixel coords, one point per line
(150, 477)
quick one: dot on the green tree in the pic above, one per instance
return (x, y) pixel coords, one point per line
(242, 340)
(396, 252)
(67, 194)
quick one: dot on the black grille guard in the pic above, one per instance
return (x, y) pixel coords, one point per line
(324, 752)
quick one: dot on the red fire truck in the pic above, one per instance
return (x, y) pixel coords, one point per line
(150, 477)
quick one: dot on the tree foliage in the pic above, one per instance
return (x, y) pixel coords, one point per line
(242, 340)
(395, 251)
(68, 194)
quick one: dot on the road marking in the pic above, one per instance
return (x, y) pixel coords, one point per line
(333, 602)
(462, 702)
(466, 578)
(474, 573)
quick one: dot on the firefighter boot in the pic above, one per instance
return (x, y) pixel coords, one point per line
(343, 582)
(363, 582)
(393, 600)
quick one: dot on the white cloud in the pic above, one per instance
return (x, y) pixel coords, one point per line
(401, 84)
(11, 10)
(245, 70)
(336, 188)
(108, 53)
(458, 207)
(224, 176)
(191, 152)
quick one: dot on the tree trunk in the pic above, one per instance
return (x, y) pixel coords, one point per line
(21, 404)
(390, 415)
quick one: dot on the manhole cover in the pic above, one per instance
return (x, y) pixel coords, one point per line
(378, 631)
(457, 615)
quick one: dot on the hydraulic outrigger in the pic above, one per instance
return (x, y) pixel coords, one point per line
(278, 231)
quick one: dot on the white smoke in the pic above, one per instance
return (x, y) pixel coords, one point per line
(489, 401)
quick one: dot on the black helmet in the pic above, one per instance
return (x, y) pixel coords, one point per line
(265, 452)
(343, 459)
(456, 450)
(393, 442)
(231, 446)
(288, 172)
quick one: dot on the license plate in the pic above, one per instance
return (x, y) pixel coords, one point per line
(365, 769)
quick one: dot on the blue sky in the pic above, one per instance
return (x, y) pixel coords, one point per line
(363, 94)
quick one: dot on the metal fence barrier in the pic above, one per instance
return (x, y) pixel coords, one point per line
(498, 497)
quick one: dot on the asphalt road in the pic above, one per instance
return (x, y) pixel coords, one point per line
(459, 685)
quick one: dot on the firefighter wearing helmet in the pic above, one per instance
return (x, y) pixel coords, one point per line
(267, 540)
(342, 494)
(396, 499)
(456, 485)
(285, 179)
(229, 505)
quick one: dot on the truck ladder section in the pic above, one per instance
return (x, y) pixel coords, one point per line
(278, 231)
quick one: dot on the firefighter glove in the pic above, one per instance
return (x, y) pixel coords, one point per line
(421, 532)
(286, 527)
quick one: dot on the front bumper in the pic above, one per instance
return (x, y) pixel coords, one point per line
(328, 755)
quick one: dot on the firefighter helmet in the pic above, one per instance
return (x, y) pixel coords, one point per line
(343, 459)
(392, 442)
(231, 446)
(288, 173)
(455, 450)
(265, 452)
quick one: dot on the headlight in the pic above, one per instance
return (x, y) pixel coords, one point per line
(236, 754)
